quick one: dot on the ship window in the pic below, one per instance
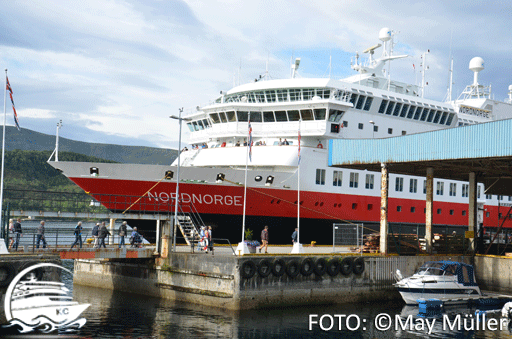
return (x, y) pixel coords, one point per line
(465, 190)
(411, 112)
(464, 212)
(231, 116)
(397, 109)
(487, 214)
(370, 207)
(437, 117)
(354, 179)
(413, 185)
(360, 126)
(399, 208)
(450, 119)
(241, 115)
(368, 103)
(206, 123)
(337, 178)
(438, 211)
(382, 107)
(223, 117)
(453, 189)
(478, 193)
(194, 123)
(326, 93)
(320, 176)
(281, 116)
(360, 101)
(399, 184)
(389, 110)
(424, 186)
(390, 131)
(335, 128)
(452, 212)
(354, 206)
(424, 114)
(255, 116)
(293, 115)
(268, 117)
(306, 114)
(319, 114)
(443, 118)
(260, 96)
(271, 96)
(215, 118)
(345, 123)
(200, 125)
(417, 113)
(440, 188)
(431, 115)
(353, 98)
(295, 94)
(369, 181)
(375, 128)
(404, 110)
(308, 93)
(190, 127)
(335, 115)
(413, 209)
(282, 95)
(404, 132)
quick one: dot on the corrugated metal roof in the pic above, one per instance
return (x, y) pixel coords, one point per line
(488, 140)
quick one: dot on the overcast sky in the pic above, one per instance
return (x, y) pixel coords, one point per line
(113, 71)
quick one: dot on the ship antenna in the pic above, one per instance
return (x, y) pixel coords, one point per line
(425, 67)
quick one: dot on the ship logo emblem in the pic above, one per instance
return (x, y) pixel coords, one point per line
(33, 304)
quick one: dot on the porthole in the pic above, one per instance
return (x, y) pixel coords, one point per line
(94, 171)
(322, 203)
(258, 178)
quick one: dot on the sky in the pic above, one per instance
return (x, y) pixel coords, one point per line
(114, 71)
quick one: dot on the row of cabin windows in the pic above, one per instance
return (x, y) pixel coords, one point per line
(361, 101)
(198, 125)
(420, 113)
(283, 95)
(413, 210)
(376, 129)
(274, 116)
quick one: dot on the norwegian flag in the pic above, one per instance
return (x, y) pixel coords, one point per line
(250, 141)
(8, 87)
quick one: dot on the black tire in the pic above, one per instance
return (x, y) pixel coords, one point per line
(347, 265)
(248, 269)
(320, 267)
(278, 267)
(358, 266)
(264, 268)
(7, 273)
(333, 267)
(307, 267)
(37, 273)
(293, 269)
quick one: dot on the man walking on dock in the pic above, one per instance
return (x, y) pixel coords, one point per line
(95, 231)
(264, 239)
(40, 235)
(78, 235)
(123, 230)
(102, 234)
(17, 234)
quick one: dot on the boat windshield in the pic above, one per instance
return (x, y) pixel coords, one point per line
(431, 269)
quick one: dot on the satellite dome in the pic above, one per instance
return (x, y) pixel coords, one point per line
(476, 64)
(510, 88)
(385, 34)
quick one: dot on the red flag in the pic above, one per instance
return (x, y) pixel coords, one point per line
(8, 88)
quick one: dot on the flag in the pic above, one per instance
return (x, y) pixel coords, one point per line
(8, 87)
(250, 141)
(413, 66)
(298, 153)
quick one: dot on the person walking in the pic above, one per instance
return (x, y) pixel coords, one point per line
(123, 230)
(11, 232)
(95, 231)
(78, 235)
(18, 233)
(264, 239)
(210, 239)
(136, 238)
(102, 234)
(295, 235)
(40, 235)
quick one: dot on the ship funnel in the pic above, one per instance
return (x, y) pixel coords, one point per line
(476, 65)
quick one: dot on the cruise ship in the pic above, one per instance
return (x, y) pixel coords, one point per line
(280, 114)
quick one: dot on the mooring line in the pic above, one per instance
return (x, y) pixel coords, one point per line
(142, 196)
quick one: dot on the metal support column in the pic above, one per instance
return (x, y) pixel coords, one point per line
(473, 208)
(429, 209)
(112, 231)
(384, 209)
(166, 239)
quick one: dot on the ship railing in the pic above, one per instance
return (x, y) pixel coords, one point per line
(195, 245)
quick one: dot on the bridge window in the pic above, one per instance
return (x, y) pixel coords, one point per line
(320, 176)
(411, 112)
(450, 119)
(242, 116)
(260, 96)
(281, 116)
(306, 114)
(319, 114)
(413, 185)
(453, 189)
(222, 116)
(424, 114)
(194, 123)
(308, 93)
(323, 93)
(417, 113)
(190, 127)
(368, 104)
(335, 115)
(440, 188)
(399, 184)
(337, 178)
(295, 95)
(215, 118)
(231, 116)
(271, 96)
(443, 118)
(293, 115)
(397, 109)
(437, 117)
(200, 125)
(268, 116)
(389, 110)
(360, 102)
(256, 116)
(404, 110)
(282, 95)
(382, 107)
(353, 98)
(354, 179)
(431, 115)
(369, 181)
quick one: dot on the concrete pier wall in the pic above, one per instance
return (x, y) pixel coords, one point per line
(494, 273)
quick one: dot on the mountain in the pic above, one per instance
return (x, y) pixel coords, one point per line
(28, 140)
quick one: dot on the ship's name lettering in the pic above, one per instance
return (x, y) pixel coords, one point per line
(207, 199)
(473, 111)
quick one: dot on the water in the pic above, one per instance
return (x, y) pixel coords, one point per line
(115, 314)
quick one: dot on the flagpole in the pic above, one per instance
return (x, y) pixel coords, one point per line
(242, 246)
(297, 247)
(3, 155)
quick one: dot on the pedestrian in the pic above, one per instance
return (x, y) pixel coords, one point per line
(285, 142)
(136, 238)
(40, 235)
(123, 230)
(295, 234)
(17, 234)
(102, 234)
(11, 232)
(95, 231)
(210, 239)
(264, 239)
(78, 234)
(202, 237)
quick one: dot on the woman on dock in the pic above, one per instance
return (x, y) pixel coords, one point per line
(78, 235)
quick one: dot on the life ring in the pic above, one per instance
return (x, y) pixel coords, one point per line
(293, 269)
(347, 264)
(278, 267)
(320, 267)
(333, 267)
(319, 145)
(248, 269)
(307, 267)
(264, 268)
(358, 266)
(7, 273)
(36, 273)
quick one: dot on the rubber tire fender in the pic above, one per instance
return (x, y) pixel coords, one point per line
(264, 268)
(307, 267)
(278, 263)
(293, 269)
(320, 266)
(10, 273)
(347, 265)
(333, 267)
(358, 266)
(248, 269)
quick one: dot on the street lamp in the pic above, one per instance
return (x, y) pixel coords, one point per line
(373, 128)
(179, 118)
